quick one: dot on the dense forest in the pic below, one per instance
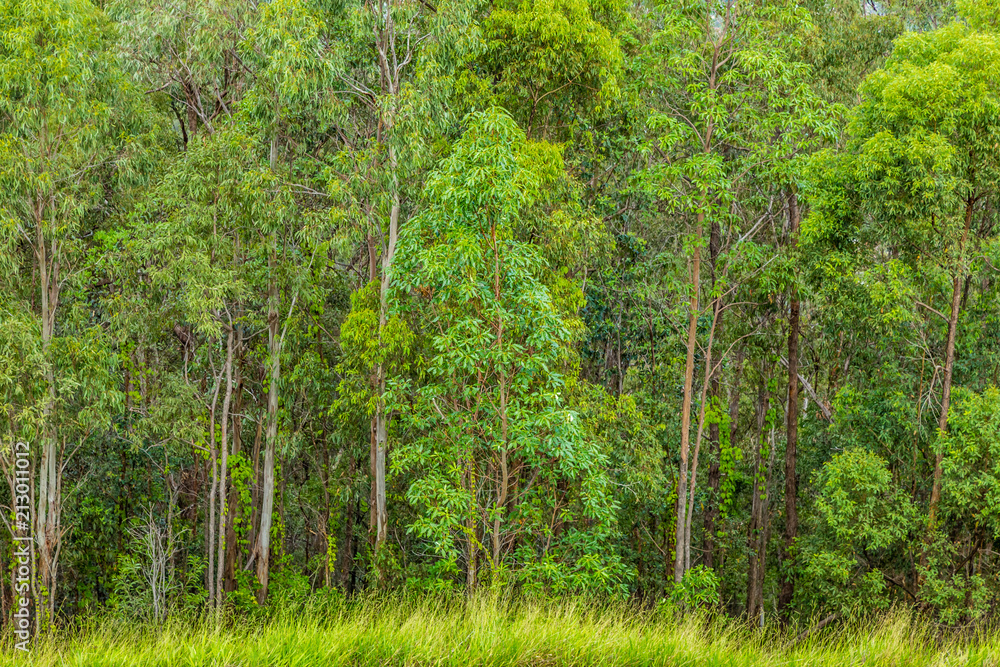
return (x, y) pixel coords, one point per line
(691, 303)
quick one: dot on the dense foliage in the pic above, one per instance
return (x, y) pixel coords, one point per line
(690, 303)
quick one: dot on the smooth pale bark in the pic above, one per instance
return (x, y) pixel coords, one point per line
(692, 343)
(262, 550)
(47, 517)
(381, 443)
(373, 475)
(214, 462)
(261, 554)
(792, 421)
(709, 361)
(255, 488)
(229, 584)
(392, 61)
(381, 416)
(380, 516)
(224, 470)
(385, 48)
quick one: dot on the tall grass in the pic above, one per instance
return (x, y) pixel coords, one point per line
(501, 634)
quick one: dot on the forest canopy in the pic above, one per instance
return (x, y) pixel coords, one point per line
(691, 303)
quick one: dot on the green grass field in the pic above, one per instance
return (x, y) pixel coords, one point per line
(484, 633)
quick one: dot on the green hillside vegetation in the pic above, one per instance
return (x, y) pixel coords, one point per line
(664, 320)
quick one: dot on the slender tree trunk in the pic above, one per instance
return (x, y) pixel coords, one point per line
(682, 556)
(949, 365)
(224, 469)
(46, 497)
(692, 484)
(255, 484)
(210, 518)
(391, 66)
(46, 535)
(501, 499)
(373, 491)
(792, 425)
(692, 343)
(714, 477)
(381, 441)
(262, 550)
(381, 416)
(233, 503)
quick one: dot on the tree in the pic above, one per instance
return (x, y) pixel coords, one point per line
(397, 104)
(286, 48)
(495, 437)
(927, 161)
(67, 135)
(554, 60)
(724, 89)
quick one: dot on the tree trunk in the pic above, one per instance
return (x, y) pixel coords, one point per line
(373, 490)
(255, 484)
(210, 512)
(47, 516)
(792, 425)
(381, 416)
(714, 477)
(262, 549)
(224, 470)
(381, 440)
(233, 503)
(949, 364)
(692, 484)
(692, 342)
(390, 71)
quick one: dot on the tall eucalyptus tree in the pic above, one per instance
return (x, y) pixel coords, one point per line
(67, 129)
